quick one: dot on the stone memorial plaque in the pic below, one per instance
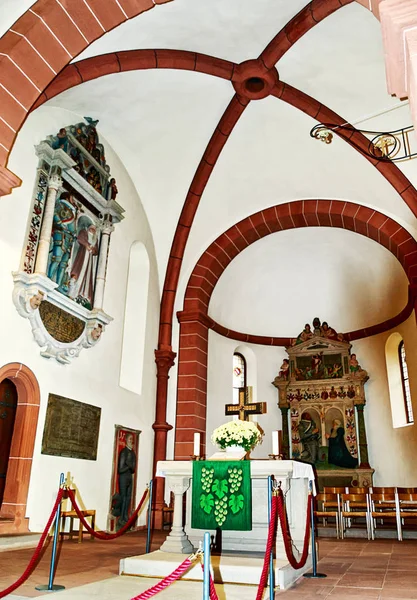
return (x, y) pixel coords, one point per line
(71, 428)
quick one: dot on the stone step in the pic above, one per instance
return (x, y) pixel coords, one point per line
(233, 569)
(16, 541)
(125, 588)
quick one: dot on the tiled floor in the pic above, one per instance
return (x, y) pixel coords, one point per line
(78, 563)
(356, 569)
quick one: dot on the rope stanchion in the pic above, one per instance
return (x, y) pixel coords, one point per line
(148, 532)
(37, 552)
(286, 533)
(271, 557)
(50, 586)
(314, 574)
(101, 535)
(206, 567)
(270, 541)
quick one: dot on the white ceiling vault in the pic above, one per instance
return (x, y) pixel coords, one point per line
(160, 121)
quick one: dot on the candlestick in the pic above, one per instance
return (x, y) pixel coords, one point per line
(275, 443)
(196, 444)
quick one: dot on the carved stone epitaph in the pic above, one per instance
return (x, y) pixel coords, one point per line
(71, 428)
(60, 284)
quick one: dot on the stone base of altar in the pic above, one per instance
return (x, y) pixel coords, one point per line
(234, 569)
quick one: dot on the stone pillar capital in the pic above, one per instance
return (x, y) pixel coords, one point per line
(55, 182)
(194, 315)
(164, 361)
(8, 181)
(107, 227)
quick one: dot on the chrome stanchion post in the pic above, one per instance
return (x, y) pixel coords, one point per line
(271, 558)
(148, 536)
(51, 586)
(314, 574)
(206, 574)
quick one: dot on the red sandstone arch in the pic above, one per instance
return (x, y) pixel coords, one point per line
(21, 450)
(38, 46)
(49, 35)
(195, 322)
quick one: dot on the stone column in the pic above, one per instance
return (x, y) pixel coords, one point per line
(178, 541)
(106, 230)
(164, 361)
(363, 444)
(55, 182)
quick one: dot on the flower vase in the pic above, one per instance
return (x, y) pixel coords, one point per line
(236, 452)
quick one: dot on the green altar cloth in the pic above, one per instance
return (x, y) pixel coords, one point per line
(222, 495)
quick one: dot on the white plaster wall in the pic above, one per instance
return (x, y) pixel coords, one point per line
(392, 451)
(219, 386)
(344, 278)
(94, 376)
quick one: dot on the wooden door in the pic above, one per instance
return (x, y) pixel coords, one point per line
(8, 405)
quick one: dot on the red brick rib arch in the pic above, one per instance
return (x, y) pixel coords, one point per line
(50, 34)
(195, 322)
(39, 45)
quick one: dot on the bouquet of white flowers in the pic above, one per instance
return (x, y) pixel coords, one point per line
(237, 433)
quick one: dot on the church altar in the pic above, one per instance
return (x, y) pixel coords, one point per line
(294, 477)
(232, 566)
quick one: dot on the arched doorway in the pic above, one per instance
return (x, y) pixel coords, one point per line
(8, 406)
(22, 441)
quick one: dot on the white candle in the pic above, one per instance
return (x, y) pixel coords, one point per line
(196, 444)
(275, 443)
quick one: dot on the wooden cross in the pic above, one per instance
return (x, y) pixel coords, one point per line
(245, 407)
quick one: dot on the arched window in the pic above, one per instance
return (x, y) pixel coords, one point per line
(398, 383)
(239, 375)
(405, 382)
(134, 329)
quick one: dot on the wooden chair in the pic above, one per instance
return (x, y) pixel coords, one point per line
(406, 490)
(71, 515)
(384, 506)
(328, 505)
(335, 490)
(407, 507)
(383, 490)
(355, 506)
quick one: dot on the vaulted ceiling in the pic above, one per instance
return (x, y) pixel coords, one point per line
(160, 113)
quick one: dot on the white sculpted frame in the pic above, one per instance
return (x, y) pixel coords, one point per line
(32, 286)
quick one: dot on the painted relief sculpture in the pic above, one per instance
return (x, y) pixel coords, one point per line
(60, 284)
(322, 400)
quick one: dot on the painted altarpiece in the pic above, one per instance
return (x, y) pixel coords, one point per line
(321, 383)
(60, 284)
(120, 436)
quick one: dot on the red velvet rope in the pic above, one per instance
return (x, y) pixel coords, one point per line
(286, 533)
(101, 535)
(184, 566)
(37, 552)
(270, 542)
(213, 593)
